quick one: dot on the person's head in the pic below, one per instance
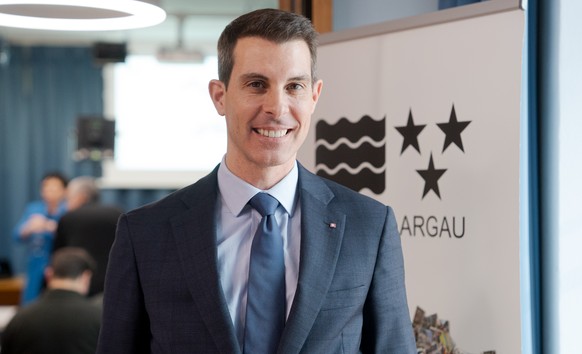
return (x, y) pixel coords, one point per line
(266, 91)
(70, 268)
(52, 187)
(82, 190)
(270, 24)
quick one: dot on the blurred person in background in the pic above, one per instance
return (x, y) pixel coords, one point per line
(62, 320)
(36, 229)
(88, 224)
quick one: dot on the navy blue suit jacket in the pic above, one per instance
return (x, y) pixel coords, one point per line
(163, 294)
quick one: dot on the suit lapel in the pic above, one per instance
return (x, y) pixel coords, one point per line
(195, 236)
(321, 238)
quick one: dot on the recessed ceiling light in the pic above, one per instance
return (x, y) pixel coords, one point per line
(80, 15)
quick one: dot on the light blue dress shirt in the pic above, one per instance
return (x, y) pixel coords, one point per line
(237, 222)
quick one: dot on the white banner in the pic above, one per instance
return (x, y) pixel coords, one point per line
(427, 121)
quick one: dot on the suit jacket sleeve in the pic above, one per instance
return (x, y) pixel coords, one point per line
(125, 325)
(387, 327)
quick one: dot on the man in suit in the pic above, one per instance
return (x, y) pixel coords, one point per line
(89, 225)
(62, 320)
(180, 269)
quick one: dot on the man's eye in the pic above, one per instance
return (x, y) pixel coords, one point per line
(295, 87)
(256, 84)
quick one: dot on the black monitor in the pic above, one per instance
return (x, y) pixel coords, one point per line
(95, 138)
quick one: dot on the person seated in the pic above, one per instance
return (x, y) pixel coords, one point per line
(63, 320)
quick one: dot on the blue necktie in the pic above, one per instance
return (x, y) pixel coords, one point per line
(265, 318)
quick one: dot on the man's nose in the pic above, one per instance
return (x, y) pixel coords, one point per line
(276, 103)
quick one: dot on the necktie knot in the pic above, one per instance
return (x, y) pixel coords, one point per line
(264, 203)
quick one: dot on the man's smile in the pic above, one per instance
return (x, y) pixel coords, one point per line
(271, 133)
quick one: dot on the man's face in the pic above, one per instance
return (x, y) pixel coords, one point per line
(75, 196)
(268, 104)
(52, 190)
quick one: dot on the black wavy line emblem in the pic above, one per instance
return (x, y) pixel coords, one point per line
(366, 178)
(354, 156)
(366, 126)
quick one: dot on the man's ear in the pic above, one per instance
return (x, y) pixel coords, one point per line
(217, 91)
(48, 274)
(87, 275)
(83, 282)
(315, 93)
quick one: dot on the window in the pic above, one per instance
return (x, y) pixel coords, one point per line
(168, 133)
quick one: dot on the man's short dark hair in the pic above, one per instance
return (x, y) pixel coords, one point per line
(71, 262)
(271, 24)
(56, 175)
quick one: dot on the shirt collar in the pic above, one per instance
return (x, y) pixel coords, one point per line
(236, 193)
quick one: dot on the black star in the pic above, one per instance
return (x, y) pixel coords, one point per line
(431, 177)
(453, 130)
(410, 133)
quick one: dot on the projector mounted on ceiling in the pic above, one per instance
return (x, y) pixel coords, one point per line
(179, 54)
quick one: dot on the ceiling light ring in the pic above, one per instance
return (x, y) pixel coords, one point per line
(140, 14)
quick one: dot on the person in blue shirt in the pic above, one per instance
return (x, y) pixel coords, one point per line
(36, 229)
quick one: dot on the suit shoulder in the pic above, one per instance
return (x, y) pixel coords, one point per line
(171, 201)
(348, 195)
(181, 199)
(342, 198)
